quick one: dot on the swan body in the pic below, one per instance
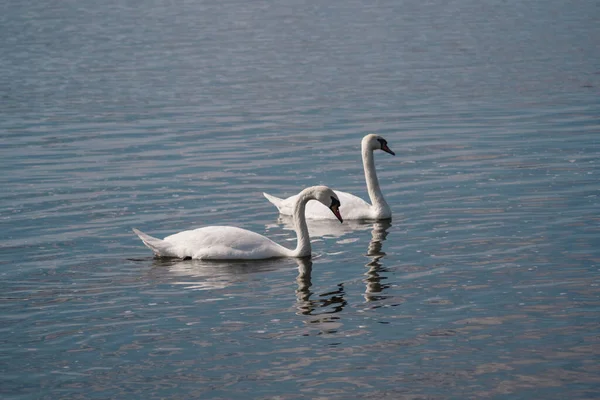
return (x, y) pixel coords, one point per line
(232, 243)
(353, 207)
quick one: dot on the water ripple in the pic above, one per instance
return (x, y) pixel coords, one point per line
(484, 285)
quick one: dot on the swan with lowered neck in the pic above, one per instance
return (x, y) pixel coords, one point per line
(352, 207)
(232, 243)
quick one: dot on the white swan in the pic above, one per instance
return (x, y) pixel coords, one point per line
(352, 207)
(231, 243)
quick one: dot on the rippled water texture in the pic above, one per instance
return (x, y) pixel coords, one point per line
(166, 116)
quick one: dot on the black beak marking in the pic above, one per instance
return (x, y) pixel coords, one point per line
(384, 146)
(335, 208)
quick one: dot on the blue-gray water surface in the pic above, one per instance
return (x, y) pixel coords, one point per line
(167, 116)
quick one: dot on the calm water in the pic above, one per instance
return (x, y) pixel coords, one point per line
(172, 115)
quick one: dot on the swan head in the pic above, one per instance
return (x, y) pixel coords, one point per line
(328, 198)
(376, 142)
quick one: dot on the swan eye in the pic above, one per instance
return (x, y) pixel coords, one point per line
(334, 203)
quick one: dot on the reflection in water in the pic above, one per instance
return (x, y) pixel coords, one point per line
(373, 277)
(303, 292)
(325, 227)
(206, 275)
(333, 301)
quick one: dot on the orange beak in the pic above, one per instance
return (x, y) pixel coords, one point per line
(387, 149)
(336, 212)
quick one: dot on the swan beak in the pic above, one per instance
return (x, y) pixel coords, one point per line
(336, 211)
(387, 149)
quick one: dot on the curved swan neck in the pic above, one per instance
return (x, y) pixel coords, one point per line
(375, 194)
(303, 248)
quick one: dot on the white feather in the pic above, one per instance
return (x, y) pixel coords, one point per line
(353, 207)
(232, 243)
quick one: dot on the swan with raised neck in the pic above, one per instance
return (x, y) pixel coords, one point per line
(353, 207)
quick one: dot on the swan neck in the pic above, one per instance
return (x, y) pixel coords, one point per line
(373, 188)
(303, 247)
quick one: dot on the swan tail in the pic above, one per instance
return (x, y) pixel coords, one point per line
(276, 201)
(158, 246)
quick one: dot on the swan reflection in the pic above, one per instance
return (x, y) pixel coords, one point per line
(322, 305)
(324, 227)
(373, 279)
(334, 301)
(206, 275)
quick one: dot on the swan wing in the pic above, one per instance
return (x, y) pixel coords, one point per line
(352, 207)
(224, 243)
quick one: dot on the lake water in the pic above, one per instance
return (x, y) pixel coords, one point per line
(166, 116)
